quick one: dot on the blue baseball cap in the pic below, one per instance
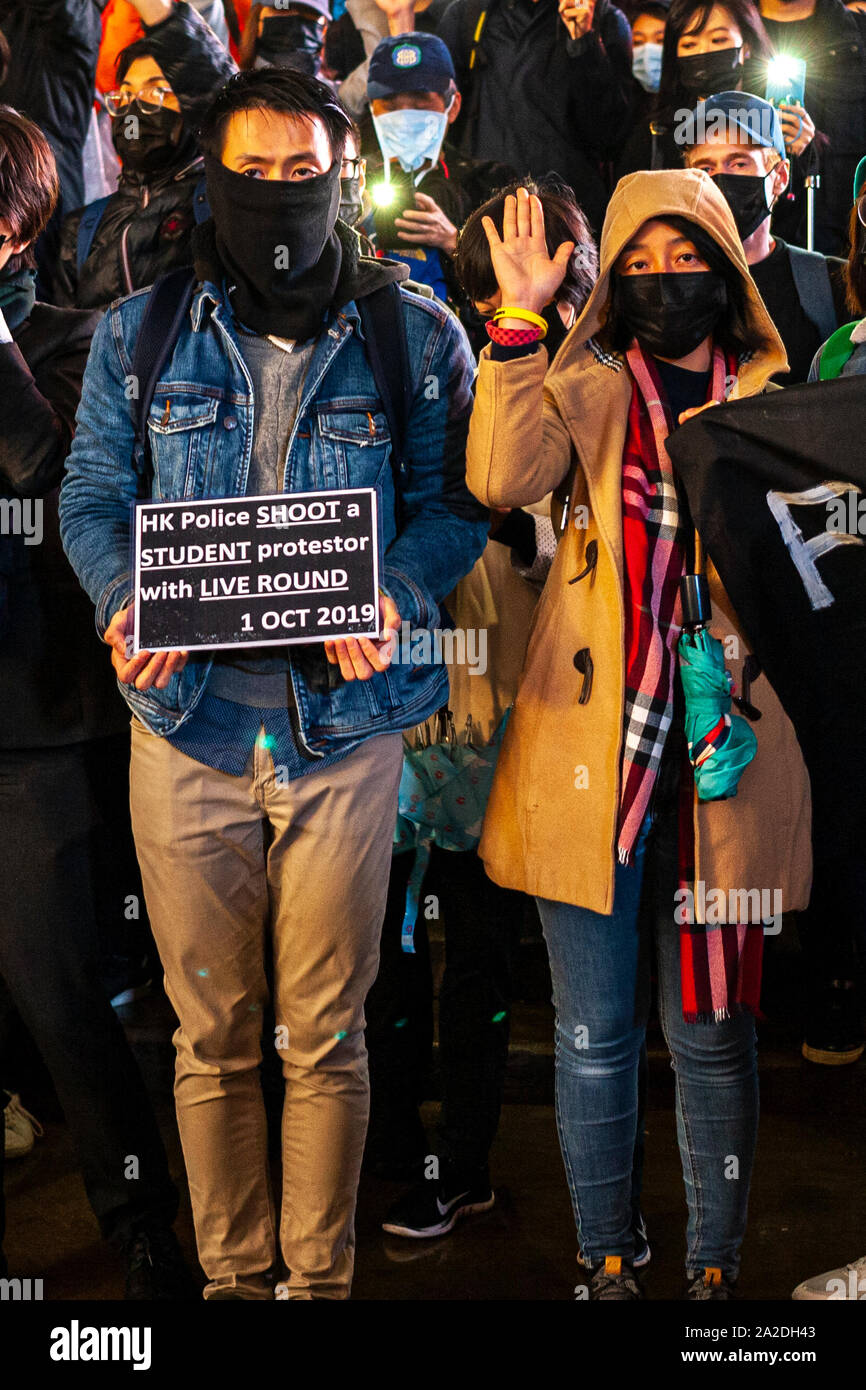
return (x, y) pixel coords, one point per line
(859, 178)
(409, 63)
(741, 115)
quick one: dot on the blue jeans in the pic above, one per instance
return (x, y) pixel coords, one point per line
(600, 968)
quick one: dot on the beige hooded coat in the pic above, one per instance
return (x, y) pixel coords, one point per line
(550, 828)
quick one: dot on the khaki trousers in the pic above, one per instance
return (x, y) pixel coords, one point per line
(232, 867)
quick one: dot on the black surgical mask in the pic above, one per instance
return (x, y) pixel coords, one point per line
(671, 314)
(277, 245)
(290, 42)
(146, 142)
(746, 195)
(351, 202)
(701, 74)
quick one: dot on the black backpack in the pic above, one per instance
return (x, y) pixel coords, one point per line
(384, 340)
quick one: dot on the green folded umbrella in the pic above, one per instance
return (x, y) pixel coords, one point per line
(720, 745)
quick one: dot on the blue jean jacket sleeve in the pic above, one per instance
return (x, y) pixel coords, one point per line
(100, 485)
(444, 528)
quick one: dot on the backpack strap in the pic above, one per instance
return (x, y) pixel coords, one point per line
(91, 216)
(815, 292)
(200, 204)
(835, 352)
(167, 305)
(388, 354)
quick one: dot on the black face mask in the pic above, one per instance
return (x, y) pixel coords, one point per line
(351, 202)
(701, 74)
(670, 315)
(146, 142)
(746, 197)
(277, 245)
(291, 42)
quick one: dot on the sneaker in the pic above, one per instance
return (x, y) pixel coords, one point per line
(613, 1280)
(834, 1035)
(126, 978)
(846, 1283)
(155, 1268)
(21, 1129)
(434, 1208)
(711, 1285)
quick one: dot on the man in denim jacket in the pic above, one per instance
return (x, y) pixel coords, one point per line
(264, 787)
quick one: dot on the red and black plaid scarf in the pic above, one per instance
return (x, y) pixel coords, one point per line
(721, 965)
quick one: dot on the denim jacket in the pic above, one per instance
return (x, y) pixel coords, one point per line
(201, 447)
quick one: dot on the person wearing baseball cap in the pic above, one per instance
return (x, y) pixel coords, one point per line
(737, 139)
(413, 96)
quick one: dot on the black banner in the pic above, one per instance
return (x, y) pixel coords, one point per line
(775, 485)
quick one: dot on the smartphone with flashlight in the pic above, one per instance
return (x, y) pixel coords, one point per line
(786, 81)
(391, 197)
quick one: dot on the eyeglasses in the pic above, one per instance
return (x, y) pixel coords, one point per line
(4, 237)
(148, 100)
(351, 168)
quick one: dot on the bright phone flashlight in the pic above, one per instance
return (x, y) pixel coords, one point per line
(383, 194)
(783, 69)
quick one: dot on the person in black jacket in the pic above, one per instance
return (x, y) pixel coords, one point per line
(53, 47)
(832, 40)
(545, 86)
(144, 229)
(64, 750)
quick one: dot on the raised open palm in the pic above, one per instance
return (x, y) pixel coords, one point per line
(525, 273)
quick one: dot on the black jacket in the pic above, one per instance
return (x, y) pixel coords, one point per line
(833, 43)
(145, 228)
(56, 682)
(54, 45)
(538, 100)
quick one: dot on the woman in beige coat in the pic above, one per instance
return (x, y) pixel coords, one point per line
(594, 808)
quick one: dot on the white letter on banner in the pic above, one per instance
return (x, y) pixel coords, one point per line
(805, 553)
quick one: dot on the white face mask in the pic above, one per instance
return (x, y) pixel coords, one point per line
(647, 65)
(411, 137)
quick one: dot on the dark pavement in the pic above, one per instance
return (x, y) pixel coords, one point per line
(808, 1204)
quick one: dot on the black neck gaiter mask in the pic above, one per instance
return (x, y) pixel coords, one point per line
(671, 314)
(278, 247)
(701, 74)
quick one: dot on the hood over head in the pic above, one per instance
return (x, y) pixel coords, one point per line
(194, 61)
(688, 193)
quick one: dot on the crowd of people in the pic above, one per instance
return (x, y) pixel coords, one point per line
(484, 257)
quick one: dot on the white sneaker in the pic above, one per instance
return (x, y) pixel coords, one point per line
(846, 1283)
(21, 1128)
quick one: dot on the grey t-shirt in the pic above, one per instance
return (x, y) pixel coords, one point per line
(278, 381)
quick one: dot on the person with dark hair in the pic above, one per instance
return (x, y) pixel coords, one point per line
(596, 738)
(288, 35)
(706, 49)
(63, 741)
(844, 354)
(648, 22)
(53, 46)
(481, 920)
(414, 101)
(264, 782)
(738, 140)
(832, 41)
(546, 84)
(164, 80)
